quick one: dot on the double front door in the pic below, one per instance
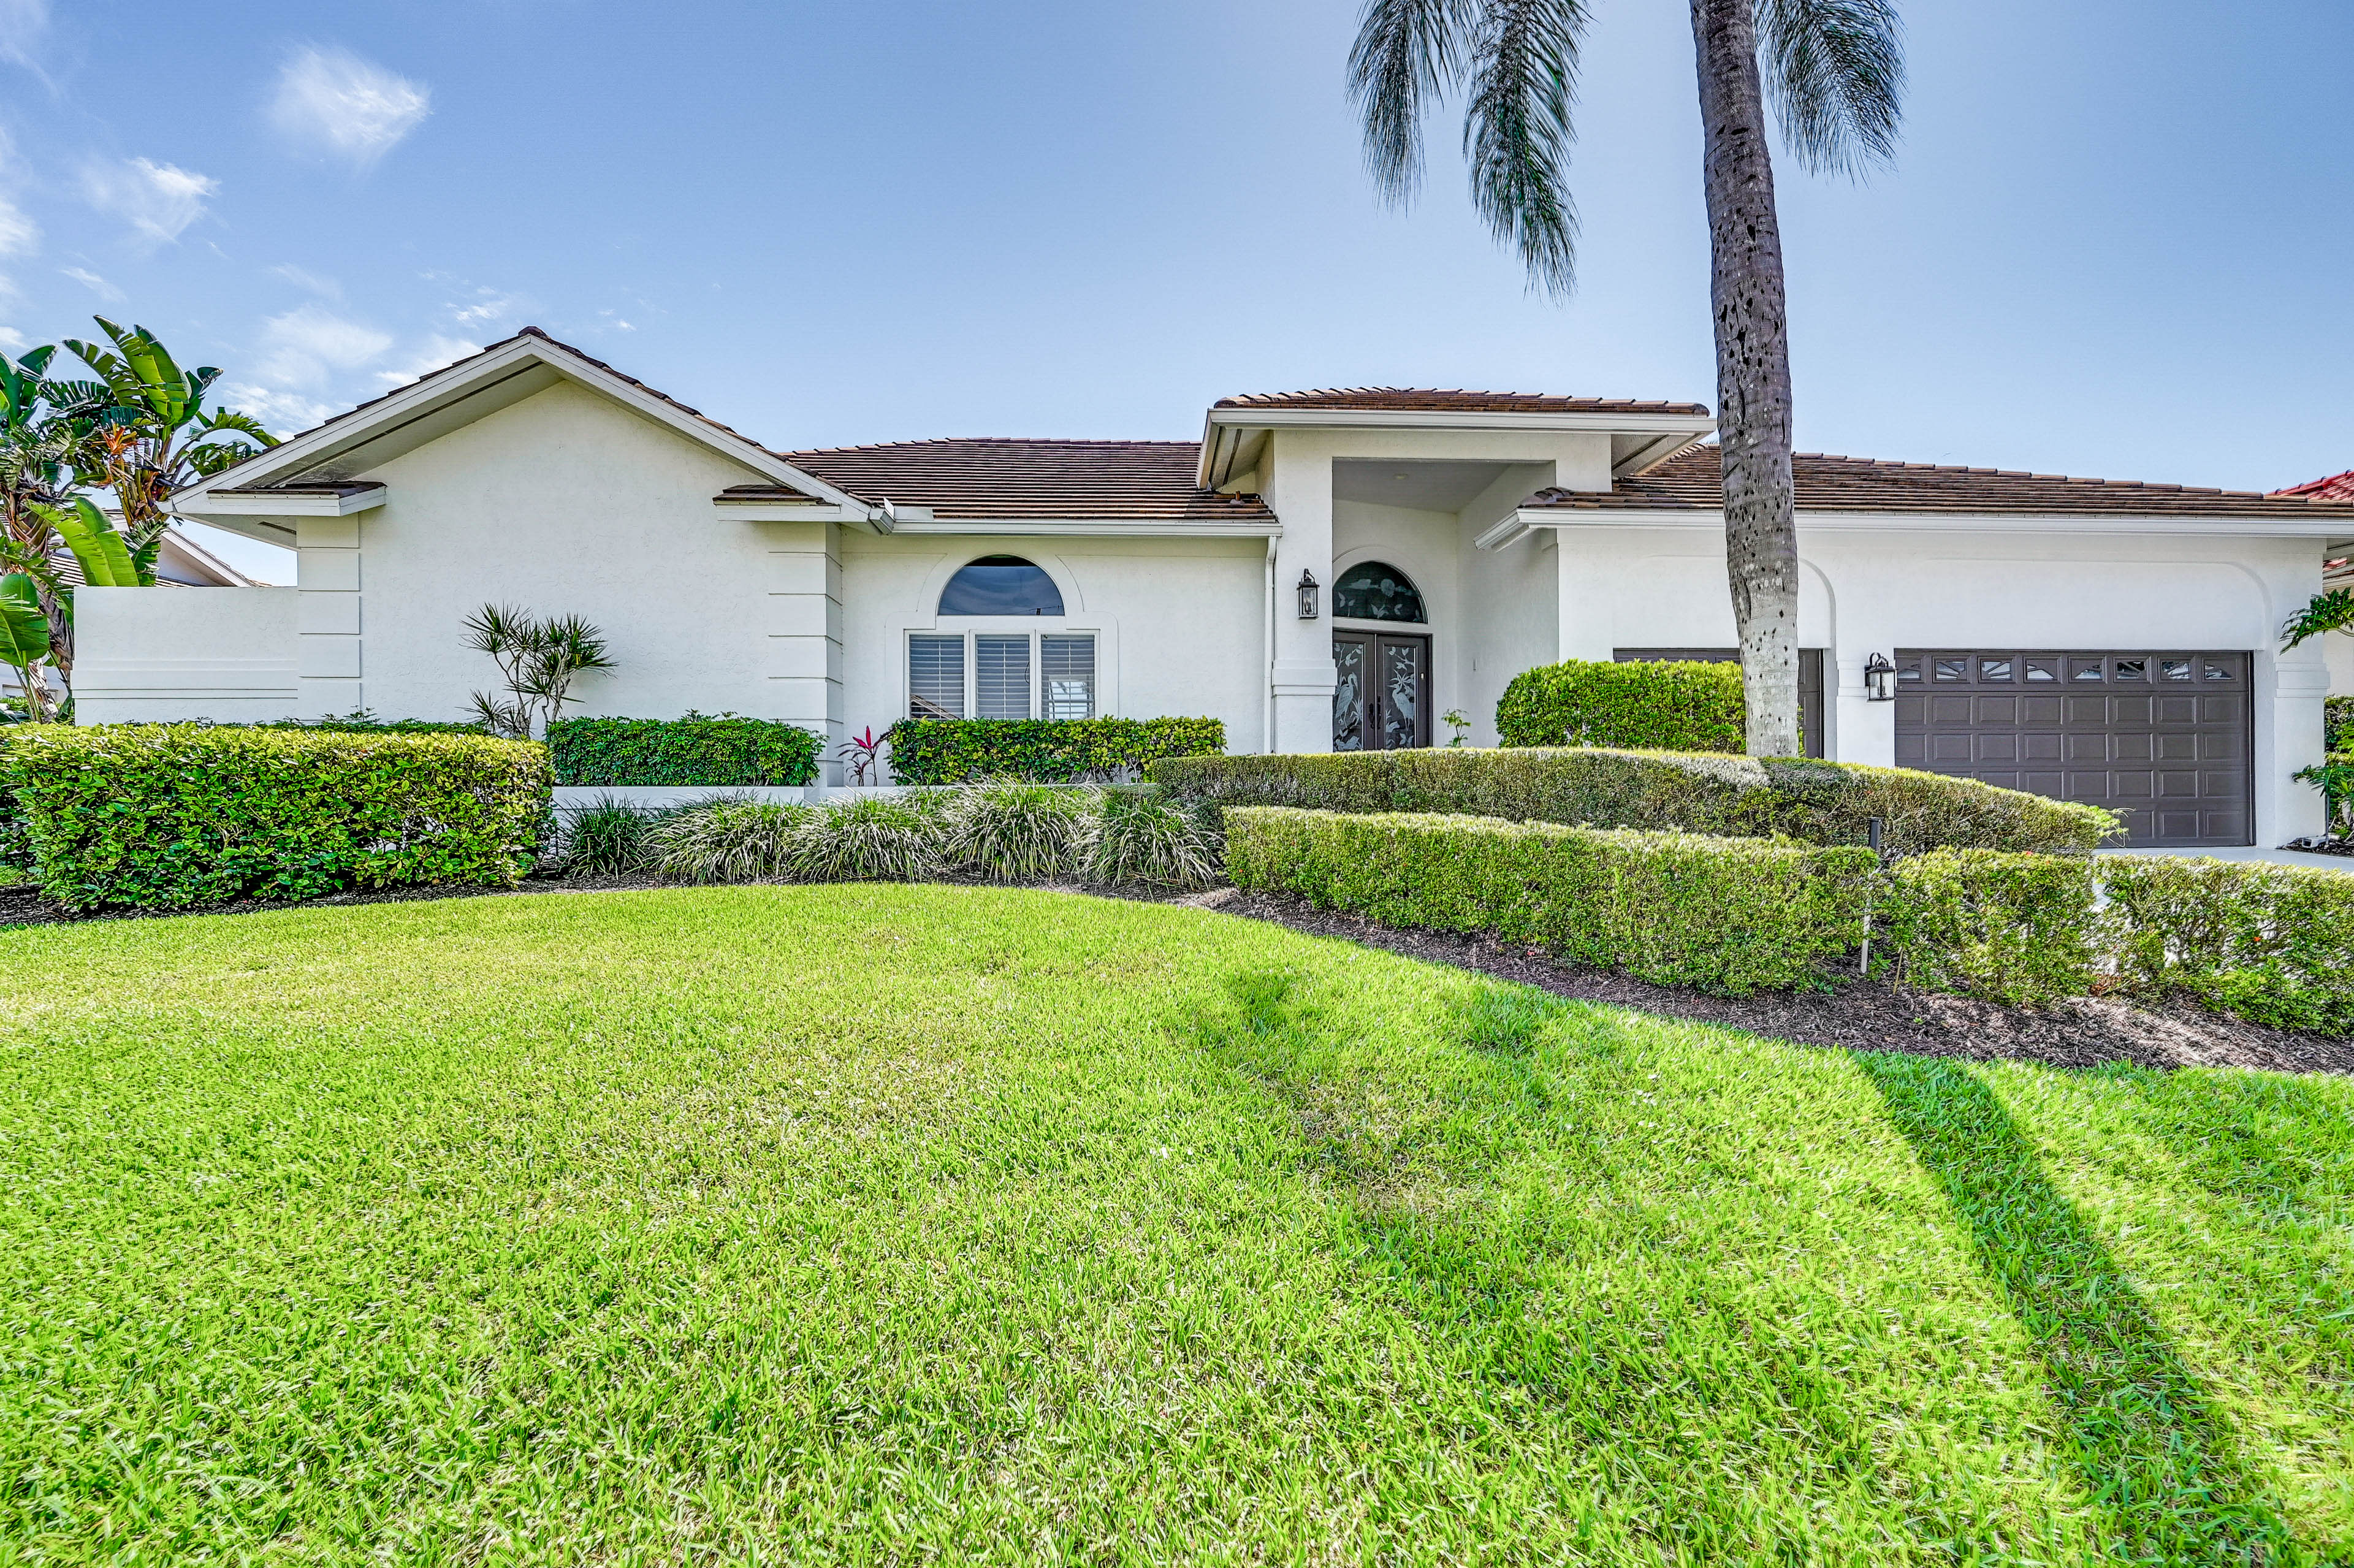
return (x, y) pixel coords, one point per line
(1382, 700)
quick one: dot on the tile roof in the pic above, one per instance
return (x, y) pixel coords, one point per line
(1693, 481)
(1009, 478)
(2336, 487)
(1425, 399)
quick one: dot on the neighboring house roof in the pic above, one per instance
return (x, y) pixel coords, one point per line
(1017, 478)
(1693, 481)
(1425, 399)
(2336, 487)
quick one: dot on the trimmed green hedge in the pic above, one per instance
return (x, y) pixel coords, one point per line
(699, 751)
(2012, 928)
(1674, 707)
(1730, 916)
(1735, 796)
(2271, 943)
(167, 816)
(1045, 751)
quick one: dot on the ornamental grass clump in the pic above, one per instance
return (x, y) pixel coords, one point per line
(729, 841)
(1019, 832)
(1143, 836)
(875, 839)
(606, 837)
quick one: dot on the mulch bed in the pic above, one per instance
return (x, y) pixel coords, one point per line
(1850, 1014)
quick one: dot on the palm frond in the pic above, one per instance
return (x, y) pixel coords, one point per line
(1834, 70)
(1406, 52)
(1517, 131)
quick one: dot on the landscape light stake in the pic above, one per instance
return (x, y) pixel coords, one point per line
(1871, 837)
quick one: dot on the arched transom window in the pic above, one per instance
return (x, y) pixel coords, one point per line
(1001, 585)
(999, 673)
(1377, 591)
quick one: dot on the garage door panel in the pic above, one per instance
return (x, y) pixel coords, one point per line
(2161, 737)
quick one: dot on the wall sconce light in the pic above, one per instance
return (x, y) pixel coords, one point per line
(1879, 679)
(1307, 596)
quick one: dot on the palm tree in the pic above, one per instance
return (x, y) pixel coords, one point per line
(1834, 70)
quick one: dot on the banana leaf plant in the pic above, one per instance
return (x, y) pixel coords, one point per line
(2330, 611)
(25, 643)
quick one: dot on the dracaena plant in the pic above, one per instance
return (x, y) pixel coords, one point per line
(537, 660)
(148, 431)
(2330, 611)
(1831, 69)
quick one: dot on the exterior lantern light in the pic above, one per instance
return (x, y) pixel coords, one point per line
(1879, 679)
(1307, 596)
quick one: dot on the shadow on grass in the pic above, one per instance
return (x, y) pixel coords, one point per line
(2150, 1450)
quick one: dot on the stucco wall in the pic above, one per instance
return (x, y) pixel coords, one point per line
(1180, 624)
(163, 654)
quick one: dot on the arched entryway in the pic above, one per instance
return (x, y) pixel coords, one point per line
(1382, 698)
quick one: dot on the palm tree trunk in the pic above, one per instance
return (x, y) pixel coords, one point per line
(1753, 372)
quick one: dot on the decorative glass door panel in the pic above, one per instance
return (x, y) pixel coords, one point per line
(1382, 702)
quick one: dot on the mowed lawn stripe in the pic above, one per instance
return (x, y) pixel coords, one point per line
(880, 1223)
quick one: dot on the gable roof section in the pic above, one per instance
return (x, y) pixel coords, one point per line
(317, 465)
(1432, 400)
(1004, 478)
(1694, 482)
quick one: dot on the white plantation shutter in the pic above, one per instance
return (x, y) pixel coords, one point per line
(1067, 676)
(935, 677)
(1002, 677)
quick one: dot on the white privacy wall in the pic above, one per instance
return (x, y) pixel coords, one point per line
(152, 655)
(1872, 590)
(1180, 624)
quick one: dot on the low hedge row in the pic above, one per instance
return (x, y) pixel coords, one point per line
(2270, 943)
(1730, 916)
(169, 816)
(701, 750)
(1045, 751)
(1736, 797)
(1676, 707)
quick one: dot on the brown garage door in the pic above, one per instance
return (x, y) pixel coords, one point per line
(2162, 739)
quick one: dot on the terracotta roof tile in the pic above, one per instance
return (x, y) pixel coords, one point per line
(1009, 478)
(2336, 487)
(1693, 481)
(1425, 399)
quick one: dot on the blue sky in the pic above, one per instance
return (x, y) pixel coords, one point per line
(2116, 241)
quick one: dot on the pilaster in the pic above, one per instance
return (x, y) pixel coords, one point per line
(327, 615)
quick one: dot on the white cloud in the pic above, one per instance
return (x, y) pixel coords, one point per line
(332, 102)
(303, 347)
(11, 340)
(159, 200)
(95, 284)
(488, 306)
(18, 234)
(22, 23)
(281, 413)
(435, 352)
(325, 288)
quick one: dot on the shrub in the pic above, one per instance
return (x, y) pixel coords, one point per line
(167, 816)
(1739, 797)
(1019, 832)
(360, 721)
(2334, 776)
(2270, 943)
(729, 841)
(1046, 751)
(1677, 707)
(2015, 928)
(872, 839)
(724, 752)
(2337, 724)
(1724, 915)
(606, 837)
(1142, 836)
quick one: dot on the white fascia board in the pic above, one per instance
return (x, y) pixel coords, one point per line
(1226, 430)
(442, 387)
(1952, 521)
(1503, 534)
(205, 508)
(1170, 529)
(788, 511)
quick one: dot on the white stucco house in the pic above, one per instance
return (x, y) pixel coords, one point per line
(1321, 569)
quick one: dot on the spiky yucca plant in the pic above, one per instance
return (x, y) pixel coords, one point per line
(729, 840)
(1019, 832)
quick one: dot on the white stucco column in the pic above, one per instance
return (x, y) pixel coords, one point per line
(327, 616)
(803, 625)
(1299, 489)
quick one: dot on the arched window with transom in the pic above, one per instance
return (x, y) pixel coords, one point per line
(1377, 591)
(993, 670)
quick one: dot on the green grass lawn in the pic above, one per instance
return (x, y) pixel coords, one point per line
(892, 1224)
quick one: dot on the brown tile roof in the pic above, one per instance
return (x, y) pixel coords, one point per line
(1692, 481)
(1004, 478)
(1429, 400)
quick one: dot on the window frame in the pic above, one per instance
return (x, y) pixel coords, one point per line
(1027, 627)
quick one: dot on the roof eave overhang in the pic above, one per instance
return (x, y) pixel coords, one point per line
(1227, 433)
(440, 390)
(1098, 527)
(2278, 527)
